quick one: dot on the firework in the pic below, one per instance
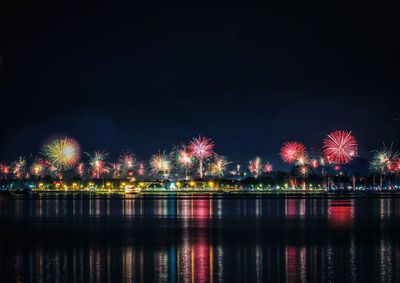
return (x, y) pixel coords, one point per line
(115, 169)
(218, 167)
(201, 148)
(236, 171)
(304, 170)
(63, 153)
(80, 169)
(292, 152)
(97, 164)
(141, 168)
(340, 147)
(397, 165)
(384, 160)
(160, 164)
(38, 167)
(5, 170)
(267, 168)
(127, 160)
(185, 160)
(314, 163)
(18, 167)
(255, 167)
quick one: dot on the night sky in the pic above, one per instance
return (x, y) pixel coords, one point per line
(250, 76)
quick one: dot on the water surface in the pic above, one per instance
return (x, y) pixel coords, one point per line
(209, 238)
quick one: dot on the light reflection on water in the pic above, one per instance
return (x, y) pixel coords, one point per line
(198, 239)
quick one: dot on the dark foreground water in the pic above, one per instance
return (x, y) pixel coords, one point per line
(198, 239)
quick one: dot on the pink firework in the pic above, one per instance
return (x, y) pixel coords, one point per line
(255, 166)
(127, 160)
(97, 164)
(141, 168)
(340, 147)
(185, 158)
(314, 163)
(267, 168)
(80, 169)
(303, 170)
(292, 151)
(201, 148)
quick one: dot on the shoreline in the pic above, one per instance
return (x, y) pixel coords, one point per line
(198, 193)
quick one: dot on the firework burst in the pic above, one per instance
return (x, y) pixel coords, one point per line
(292, 152)
(255, 167)
(115, 169)
(267, 168)
(314, 163)
(18, 168)
(185, 160)
(201, 148)
(385, 160)
(141, 168)
(127, 160)
(80, 169)
(63, 153)
(303, 171)
(218, 167)
(340, 147)
(97, 164)
(38, 167)
(160, 164)
(5, 170)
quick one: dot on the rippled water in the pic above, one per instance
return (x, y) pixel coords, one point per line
(198, 239)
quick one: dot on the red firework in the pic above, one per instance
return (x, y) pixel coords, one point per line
(340, 147)
(292, 151)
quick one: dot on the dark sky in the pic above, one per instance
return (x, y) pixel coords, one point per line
(250, 76)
